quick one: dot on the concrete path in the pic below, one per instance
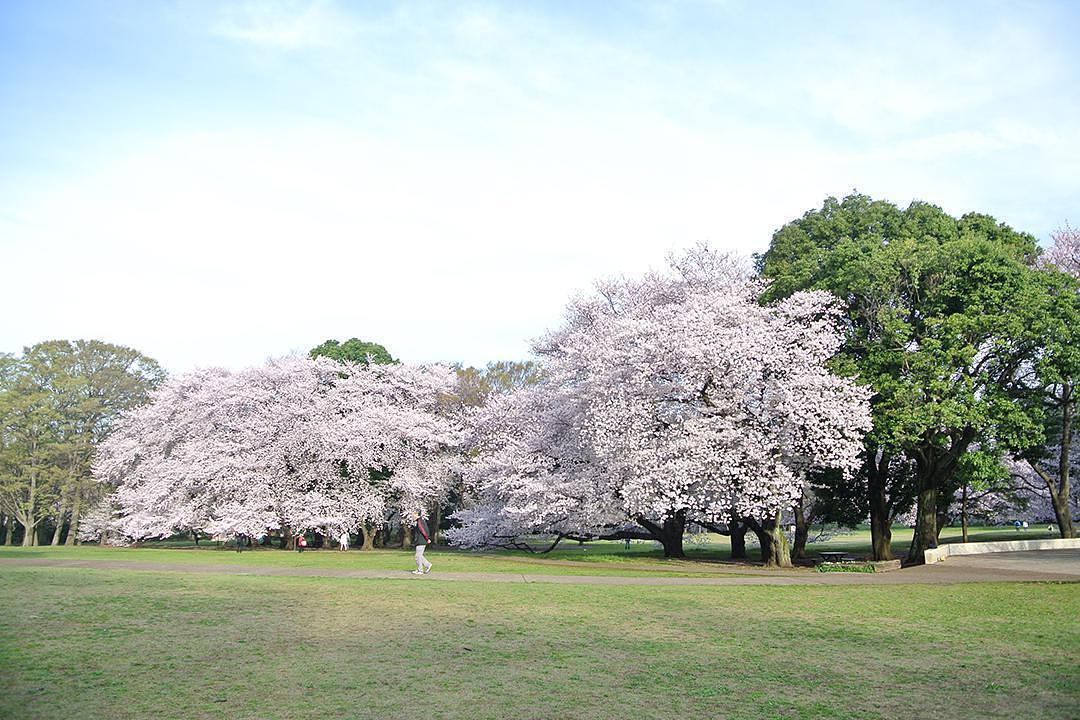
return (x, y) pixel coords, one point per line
(1064, 562)
(1039, 566)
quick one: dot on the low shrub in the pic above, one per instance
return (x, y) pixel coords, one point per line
(856, 567)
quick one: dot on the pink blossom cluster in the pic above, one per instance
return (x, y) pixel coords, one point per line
(295, 443)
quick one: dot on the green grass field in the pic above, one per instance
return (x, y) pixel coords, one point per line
(445, 560)
(114, 644)
(596, 558)
(120, 644)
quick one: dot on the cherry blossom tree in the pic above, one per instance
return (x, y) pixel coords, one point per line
(1064, 253)
(534, 471)
(296, 444)
(671, 398)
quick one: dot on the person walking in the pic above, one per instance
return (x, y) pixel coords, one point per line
(343, 541)
(422, 538)
(301, 543)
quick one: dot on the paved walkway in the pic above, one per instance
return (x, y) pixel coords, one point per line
(1036, 566)
(1065, 562)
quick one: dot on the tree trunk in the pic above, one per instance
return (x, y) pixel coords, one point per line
(368, 537)
(30, 536)
(925, 537)
(1064, 518)
(1060, 499)
(59, 525)
(287, 539)
(880, 519)
(963, 511)
(76, 509)
(934, 467)
(669, 534)
(9, 529)
(738, 539)
(406, 535)
(775, 551)
(802, 530)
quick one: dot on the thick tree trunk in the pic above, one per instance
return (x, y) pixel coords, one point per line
(775, 551)
(881, 537)
(76, 509)
(1059, 499)
(880, 517)
(1059, 494)
(926, 533)
(669, 533)
(1064, 518)
(738, 539)
(934, 467)
(406, 535)
(368, 537)
(802, 531)
(287, 539)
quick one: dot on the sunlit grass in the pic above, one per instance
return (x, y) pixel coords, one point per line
(110, 644)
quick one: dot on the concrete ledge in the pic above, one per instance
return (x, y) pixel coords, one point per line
(941, 552)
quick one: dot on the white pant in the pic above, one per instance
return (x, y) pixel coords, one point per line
(421, 561)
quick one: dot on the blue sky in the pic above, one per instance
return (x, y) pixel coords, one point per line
(216, 183)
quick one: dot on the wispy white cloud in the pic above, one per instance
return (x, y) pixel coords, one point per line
(285, 24)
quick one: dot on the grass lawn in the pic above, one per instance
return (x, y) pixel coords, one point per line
(115, 644)
(595, 558)
(445, 560)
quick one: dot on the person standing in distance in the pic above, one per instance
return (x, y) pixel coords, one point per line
(422, 538)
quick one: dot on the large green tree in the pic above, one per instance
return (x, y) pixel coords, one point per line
(353, 350)
(944, 319)
(57, 401)
(31, 477)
